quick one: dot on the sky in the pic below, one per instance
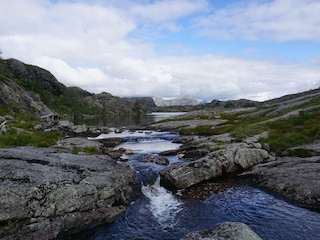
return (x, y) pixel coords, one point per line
(206, 49)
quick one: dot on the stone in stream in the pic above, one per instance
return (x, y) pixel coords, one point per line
(162, 161)
(233, 158)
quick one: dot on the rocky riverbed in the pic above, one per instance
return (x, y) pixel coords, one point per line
(48, 191)
(296, 179)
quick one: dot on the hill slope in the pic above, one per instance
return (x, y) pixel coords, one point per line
(32, 90)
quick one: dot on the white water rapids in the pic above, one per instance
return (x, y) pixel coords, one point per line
(163, 205)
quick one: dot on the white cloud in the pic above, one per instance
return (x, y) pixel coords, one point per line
(205, 77)
(90, 46)
(278, 20)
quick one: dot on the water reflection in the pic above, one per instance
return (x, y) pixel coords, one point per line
(121, 120)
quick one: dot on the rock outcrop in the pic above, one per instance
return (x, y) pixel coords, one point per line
(14, 96)
(224, 231)
(48, 191)
(297, 179)
(233, 158)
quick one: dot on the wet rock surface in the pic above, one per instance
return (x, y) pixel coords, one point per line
(223, 231)
(45, 191)
(296, 179)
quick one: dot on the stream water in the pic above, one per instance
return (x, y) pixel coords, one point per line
(160, 214)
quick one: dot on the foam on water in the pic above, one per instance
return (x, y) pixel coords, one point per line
(162, 204)
(149, 146)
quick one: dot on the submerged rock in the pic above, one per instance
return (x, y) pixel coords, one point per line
(162, 161)
(224, 231)
(44, 191)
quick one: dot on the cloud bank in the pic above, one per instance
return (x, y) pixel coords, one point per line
(110, 46)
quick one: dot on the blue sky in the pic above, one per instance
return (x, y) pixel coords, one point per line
(207, 49)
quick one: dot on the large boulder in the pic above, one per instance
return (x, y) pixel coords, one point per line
(224, 231)
(297, 179)
(233, 158)
(44, 191)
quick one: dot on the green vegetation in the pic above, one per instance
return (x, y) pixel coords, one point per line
(21, 132)
(204, 130)
(294, 131)
(88, 150)
(38, 139)
(283, 134)
(299, 153)
(59, 98)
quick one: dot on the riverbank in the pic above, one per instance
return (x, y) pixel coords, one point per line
(230, 145)
(277, 147)
(296, 179)
(88, 179)
(45, 191)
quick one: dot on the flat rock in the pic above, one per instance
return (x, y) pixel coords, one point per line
(77, 142)
(44, 191)
(296, 179)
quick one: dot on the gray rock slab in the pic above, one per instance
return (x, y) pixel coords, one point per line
(231, 159)
(44, 191)
(296, 179)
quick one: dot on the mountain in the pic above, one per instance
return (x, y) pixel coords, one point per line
(35, 91)
(32, 90)
(179, 101)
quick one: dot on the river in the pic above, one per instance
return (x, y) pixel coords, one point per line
(158, 213)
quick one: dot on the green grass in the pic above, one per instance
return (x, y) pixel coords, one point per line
(294, 131)
(38, 139)
(88, 150)
(283, 134)
(204, 130)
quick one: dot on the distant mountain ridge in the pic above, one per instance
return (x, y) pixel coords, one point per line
(32, 90)
(178, 101)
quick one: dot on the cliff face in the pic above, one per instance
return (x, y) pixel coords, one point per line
(15, 97)
(27, 89)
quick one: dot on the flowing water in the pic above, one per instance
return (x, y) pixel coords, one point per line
(161, 214)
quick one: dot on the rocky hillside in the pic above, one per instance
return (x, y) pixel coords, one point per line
(290, 120)
(32, 90)
(274, 144)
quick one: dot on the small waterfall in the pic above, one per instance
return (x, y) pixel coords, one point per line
(162, 203)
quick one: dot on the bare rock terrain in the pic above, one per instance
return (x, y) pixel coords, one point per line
(296, 179)
(45, 191)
